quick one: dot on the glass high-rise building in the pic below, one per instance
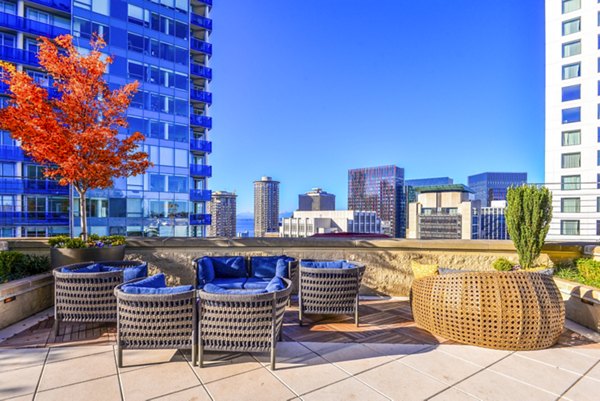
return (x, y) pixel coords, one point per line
(489, 187)
(380, 189)
(163, 44)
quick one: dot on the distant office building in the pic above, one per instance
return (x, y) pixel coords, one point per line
(492, 221)
(317, 199)
(489, 187)
(443, 212)
(266, 207)
(308, 223)
(222, 208)
(380, 189)
(424, 182)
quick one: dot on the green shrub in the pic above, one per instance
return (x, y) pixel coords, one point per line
(589, 270)
(503, 265)
(15, 265)
(94, 240)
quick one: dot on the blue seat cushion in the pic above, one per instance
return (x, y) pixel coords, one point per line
(215, 289)
(327, 264)
(229, 267)
(255, 283)
(276, 284)
(206, 270)
(230, 283)
(129, 273)
(92, 268)
(154, 285)
(269, 266)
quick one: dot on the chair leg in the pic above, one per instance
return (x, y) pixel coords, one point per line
(273, 357)
(194, 355)
(200, 356)
(119, 356)
(356, 312)
(55, 327)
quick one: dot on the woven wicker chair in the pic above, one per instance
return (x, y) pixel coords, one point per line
(241, 323)
(156, 321)
(87, 297)
(501, 310)
(329, 291)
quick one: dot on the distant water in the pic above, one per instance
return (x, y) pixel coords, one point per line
(245, 224)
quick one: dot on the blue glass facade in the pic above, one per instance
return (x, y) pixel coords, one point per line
(163, 44)
(489, 187)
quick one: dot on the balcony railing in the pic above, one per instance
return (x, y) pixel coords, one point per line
(201, 96)
(34, 218)
(12, 153)
(202, 121)
(200, 170)
(201, 46)
(207, 2)
(28, 186)
(201, 71)
(200, 219)
(199, 20)
(200, 195)
(200, 145)
(63, 5)
(14, 55)
(23, 24)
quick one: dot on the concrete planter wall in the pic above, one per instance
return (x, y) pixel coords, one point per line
(22, 298)
(582, 303)
(65, 256)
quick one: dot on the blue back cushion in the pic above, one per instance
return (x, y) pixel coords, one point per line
(129, 273)
(229, 267)
(206, 271)
(276, 284)
(324, 264)
(215, 289)
(270, 266)
(93, 268)
(154, 285)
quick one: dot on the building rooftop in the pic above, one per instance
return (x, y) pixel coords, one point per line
(444, 188)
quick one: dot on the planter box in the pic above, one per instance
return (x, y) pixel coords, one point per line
(65, 256)
(582, 303)
(22, 298)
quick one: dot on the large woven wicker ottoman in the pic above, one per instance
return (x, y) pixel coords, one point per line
(501, 310)
(84, 292)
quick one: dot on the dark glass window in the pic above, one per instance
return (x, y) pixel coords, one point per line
(571, 115)
(571, 93)
(117, 207)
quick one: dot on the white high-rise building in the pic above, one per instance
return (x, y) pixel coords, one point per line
(572, 118)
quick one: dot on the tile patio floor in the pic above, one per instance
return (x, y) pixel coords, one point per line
(388, 357)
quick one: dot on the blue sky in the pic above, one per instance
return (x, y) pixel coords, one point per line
(305, 90)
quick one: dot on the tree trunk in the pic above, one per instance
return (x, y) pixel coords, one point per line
(83, 214)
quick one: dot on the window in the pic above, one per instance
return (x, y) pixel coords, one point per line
(571, 71)
(571, 138)
(570, 182)
(178, 184)
(8, 7)
(138, 15)
(85, 29)
(117, 207)
(97, 6)
(157, 183)
(571, 160)
(598, 181)
(598, 158)
(569, 227)
(7, 169)
(571, 26)
(571, 49)
(572, 92)
(570, 205)
(570, 5)
(571, 115)
(597, 227)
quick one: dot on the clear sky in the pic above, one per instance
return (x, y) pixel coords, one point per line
(305, 90)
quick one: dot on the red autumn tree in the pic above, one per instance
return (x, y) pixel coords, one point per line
(73, 134)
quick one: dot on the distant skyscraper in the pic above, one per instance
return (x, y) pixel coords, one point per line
(311, 222)
(317, 199)
(492, 221)
(490, 187)
(380, 189)
(266, 207)
(222, 208)
(423, 182)
(572, 170)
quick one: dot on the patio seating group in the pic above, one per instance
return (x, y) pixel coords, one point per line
(236, 305)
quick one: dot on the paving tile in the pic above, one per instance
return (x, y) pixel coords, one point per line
(197, 393)
(218, 366)
(594, 373)
(401, 382)
(19, 382)
(352, 358)
(285, 350)
(97, 389)
(440, 365)
(480, 356)
(151, 374)
(307, 373)
(13, 359)
(536, 373)
(349, 389)
(492, 386)
(561, 358)
(453, 394)
(258, 384)
(77, 370)
(584, 390)
(396, 351)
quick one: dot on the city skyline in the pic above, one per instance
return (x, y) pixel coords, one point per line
(288, 106)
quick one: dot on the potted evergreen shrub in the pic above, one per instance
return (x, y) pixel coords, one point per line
(73, 133)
